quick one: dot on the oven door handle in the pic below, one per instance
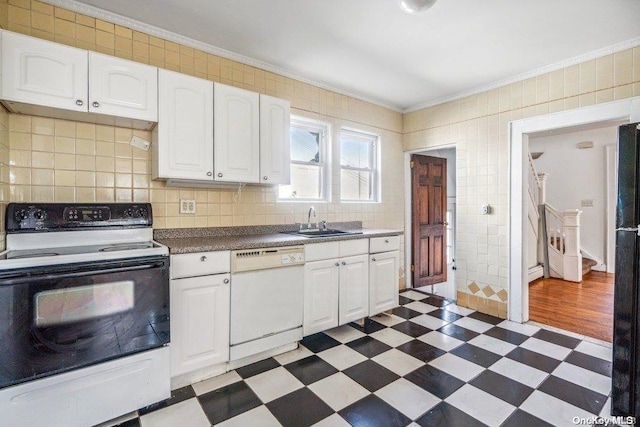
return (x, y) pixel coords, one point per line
(88, 272)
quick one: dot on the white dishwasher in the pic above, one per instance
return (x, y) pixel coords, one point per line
(267, 300)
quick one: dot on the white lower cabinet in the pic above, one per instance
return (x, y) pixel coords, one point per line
(383, 282)
(199, 322)
(320, 295)
(336, 290)
(354, 289)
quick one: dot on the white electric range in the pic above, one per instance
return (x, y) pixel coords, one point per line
(84, 313)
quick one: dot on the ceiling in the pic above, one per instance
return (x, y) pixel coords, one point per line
(372, 50)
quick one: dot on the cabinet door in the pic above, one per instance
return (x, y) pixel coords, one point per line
(383, 282)
(354, 288)
(122, 88)
(40, 72)
(274, 140)
(236, 134)
(320, 296)
(199, 322)
(185, 127)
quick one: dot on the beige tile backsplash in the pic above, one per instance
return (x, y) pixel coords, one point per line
(54, 160)
(43, 159)
(478, 125)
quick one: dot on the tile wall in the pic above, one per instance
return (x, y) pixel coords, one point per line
(57, 160)
(478, 125)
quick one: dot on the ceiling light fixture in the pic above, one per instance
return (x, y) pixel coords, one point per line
(415, 6)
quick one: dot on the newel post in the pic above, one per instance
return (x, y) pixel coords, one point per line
(542, 195)
(572, 258)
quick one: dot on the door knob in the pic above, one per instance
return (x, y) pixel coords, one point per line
(203, 258)
(79, 102)
(209, 174)
(266, 178)
(96, 104)
(225, 281)
(220, 175)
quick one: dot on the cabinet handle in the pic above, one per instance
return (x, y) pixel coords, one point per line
(373, 259)
(337, 264)
(209, 174)
(203, 258)
(220, 175)
(344, 263)
(96, 104)
(79, 102)
(225, 281)
(266, 178)
(386, 240)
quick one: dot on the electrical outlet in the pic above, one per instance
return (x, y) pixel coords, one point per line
(187, 206)
(586, 203)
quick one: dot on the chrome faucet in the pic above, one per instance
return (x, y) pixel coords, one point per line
(311, 209)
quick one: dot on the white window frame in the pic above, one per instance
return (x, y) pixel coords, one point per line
(324, 162)
(374, 161)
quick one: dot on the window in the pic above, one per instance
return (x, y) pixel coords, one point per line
(309, 161)
(359, 169)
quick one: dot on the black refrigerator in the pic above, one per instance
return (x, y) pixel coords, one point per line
(625, 392)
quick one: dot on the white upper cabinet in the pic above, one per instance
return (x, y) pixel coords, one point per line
(40, 72)
(236, 134)
(274, 140)
(49, 79)
(122, 88)
(183, 139)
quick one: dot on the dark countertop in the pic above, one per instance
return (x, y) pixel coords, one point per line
(184, 241)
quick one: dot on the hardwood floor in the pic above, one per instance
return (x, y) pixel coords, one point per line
(585, 308)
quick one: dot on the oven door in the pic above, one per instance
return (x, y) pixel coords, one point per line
(58, 318)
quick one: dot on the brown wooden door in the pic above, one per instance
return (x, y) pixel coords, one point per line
(429, 210)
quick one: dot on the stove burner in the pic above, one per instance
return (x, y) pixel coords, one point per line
(35, 255)
(126, 247)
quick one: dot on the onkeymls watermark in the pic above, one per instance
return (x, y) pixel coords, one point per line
(604, 421)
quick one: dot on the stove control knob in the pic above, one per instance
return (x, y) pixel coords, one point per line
(22, 215)
(128, 213)
(139, 213)
(40, 215)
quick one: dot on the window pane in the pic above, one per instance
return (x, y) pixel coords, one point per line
(305, 183)
(356, 154)
(356, 185)
(305, 145)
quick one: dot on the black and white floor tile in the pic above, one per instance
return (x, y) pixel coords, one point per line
(430, 363)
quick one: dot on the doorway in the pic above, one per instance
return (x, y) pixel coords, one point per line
(618, 111)
(577, 176)
(444, 282)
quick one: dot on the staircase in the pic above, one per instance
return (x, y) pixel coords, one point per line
(553, 236)
(587, 265)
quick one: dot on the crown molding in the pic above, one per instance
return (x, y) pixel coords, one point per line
(628, 44)
(124, 21)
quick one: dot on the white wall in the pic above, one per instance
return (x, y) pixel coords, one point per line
(450, 155)
(578, 174)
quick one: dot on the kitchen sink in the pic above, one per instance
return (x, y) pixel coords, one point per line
(322, 233)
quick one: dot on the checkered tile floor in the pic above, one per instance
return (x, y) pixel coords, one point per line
(431, 363)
